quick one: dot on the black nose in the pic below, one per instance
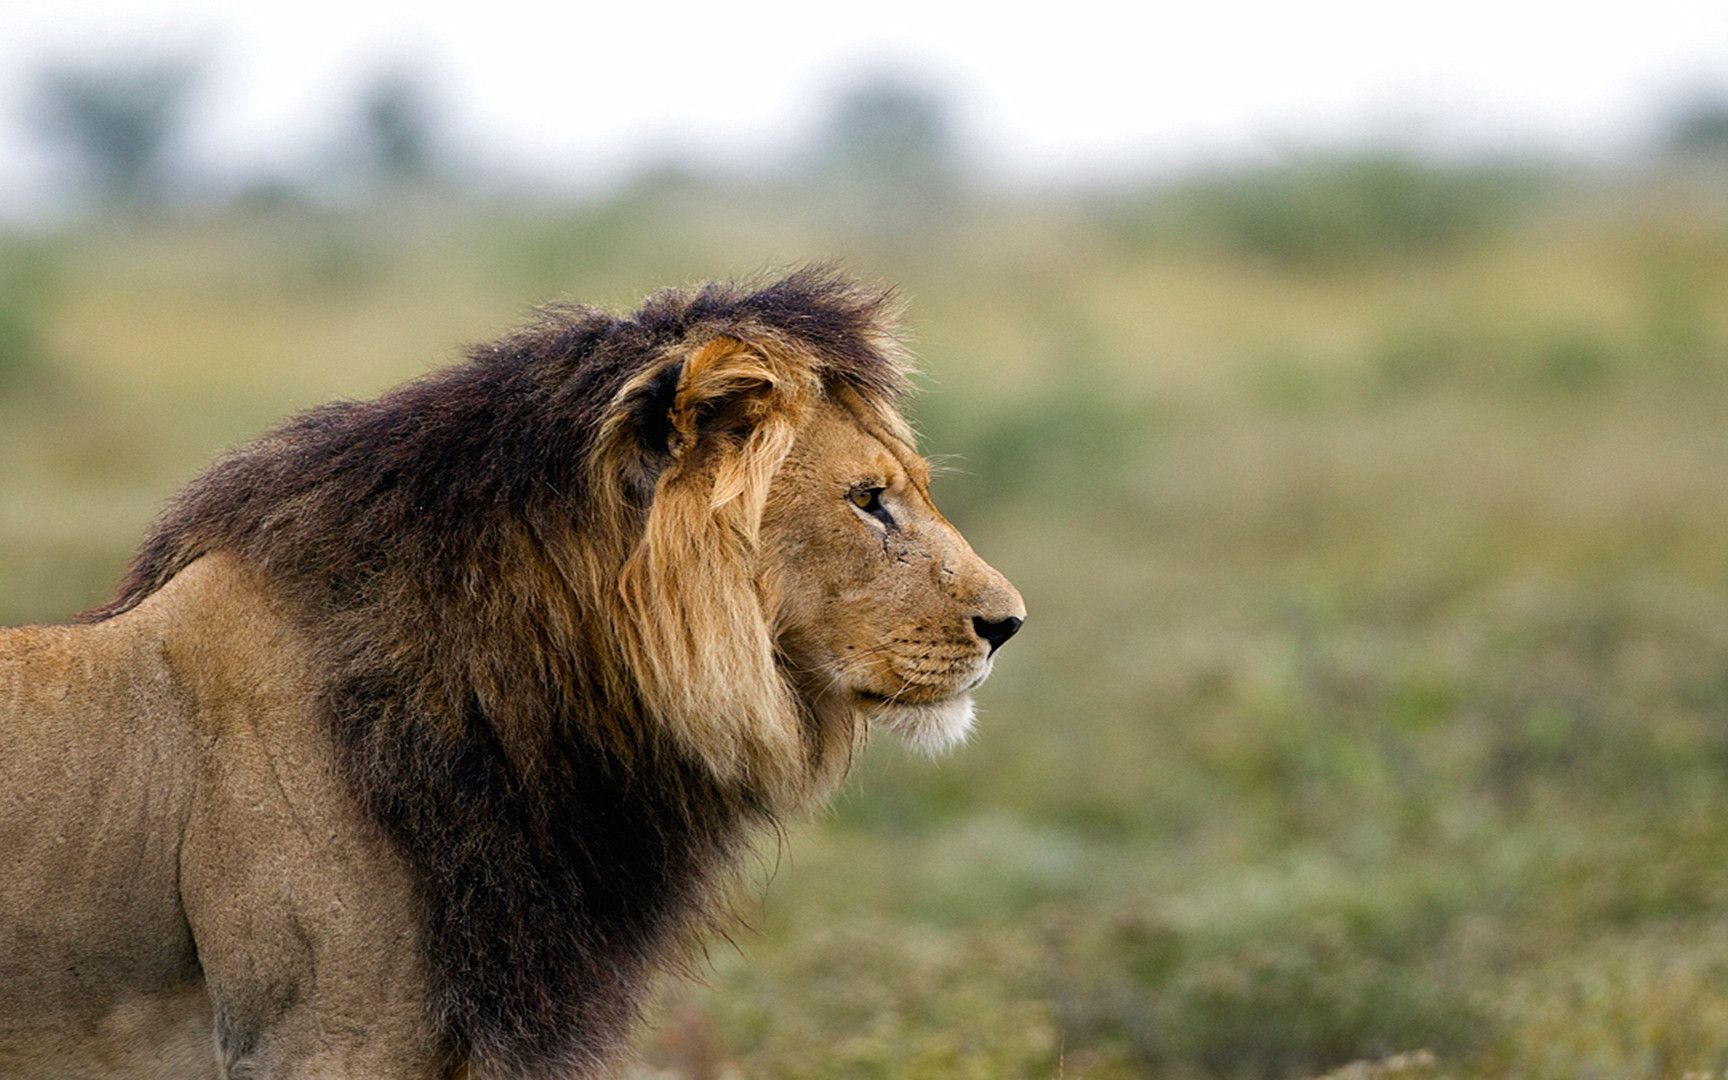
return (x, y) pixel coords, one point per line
(996, 631)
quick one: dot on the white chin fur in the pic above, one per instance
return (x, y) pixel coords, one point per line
(930, 729)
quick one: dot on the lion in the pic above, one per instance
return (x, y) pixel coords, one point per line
(423, 731)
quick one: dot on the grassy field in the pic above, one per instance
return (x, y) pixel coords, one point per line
(1374, 698)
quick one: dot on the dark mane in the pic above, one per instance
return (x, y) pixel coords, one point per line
(428, 541)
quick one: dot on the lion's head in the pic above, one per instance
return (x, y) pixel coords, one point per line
(792, 581)
(885, 611)
(591, 604)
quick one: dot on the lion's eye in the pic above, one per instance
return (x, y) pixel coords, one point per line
(869, 500)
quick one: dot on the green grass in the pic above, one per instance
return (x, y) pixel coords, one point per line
(1373, 697)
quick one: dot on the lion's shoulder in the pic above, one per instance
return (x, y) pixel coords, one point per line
(166, 781)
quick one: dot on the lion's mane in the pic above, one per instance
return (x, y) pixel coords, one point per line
(547, 671)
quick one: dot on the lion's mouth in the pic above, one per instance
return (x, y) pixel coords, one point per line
(925, 695)
(912, 698)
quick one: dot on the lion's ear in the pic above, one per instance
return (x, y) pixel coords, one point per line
(726, 408)
(734, 414)
(721, 387)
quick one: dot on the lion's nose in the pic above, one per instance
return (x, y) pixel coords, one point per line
(996, 631)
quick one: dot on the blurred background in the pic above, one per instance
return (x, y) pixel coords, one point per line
(1345, 386)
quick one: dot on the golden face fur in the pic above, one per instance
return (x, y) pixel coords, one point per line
(880, 596)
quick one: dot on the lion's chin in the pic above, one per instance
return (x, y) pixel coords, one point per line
(930, 729)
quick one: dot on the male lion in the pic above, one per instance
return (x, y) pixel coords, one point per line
(424, 728)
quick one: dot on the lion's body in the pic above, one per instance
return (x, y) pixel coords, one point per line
(175, 830)
(424, 730)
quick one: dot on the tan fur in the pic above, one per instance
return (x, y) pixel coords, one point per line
(184, 864)
(175, 836)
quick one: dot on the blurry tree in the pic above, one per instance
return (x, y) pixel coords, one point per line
(1699, 128)
(117, 120)
(891, 138)
(398, 129)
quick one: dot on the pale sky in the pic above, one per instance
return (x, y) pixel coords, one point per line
(574, 93)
